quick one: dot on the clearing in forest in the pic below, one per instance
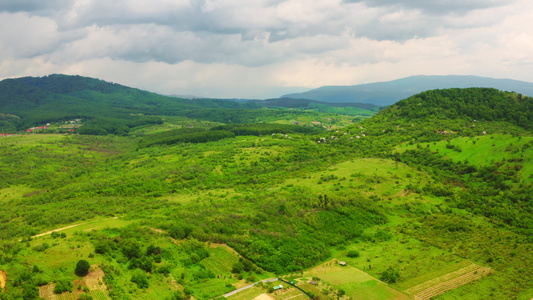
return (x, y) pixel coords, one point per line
(450, 281)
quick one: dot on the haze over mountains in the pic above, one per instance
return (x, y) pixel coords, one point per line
(390, 92)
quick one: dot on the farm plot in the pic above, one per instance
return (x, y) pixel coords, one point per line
(450, 281)
(95, 282)
(47, 292)
(356, 283)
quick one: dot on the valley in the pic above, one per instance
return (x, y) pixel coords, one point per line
(188, 205)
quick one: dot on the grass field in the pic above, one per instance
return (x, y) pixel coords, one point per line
(220, 260)
(248, 294)
(370, 176)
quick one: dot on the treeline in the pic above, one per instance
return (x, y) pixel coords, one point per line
(103, 126)
(186, 135)
(238, 115)
(259, 129)
(200, 135)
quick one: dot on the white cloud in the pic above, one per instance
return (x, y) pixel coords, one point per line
(228, 48)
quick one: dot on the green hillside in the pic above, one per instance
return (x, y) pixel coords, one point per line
(431, 197)
(104, 107)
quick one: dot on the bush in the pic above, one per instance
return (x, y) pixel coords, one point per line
(353, 253)
(42, 247)
(139, 277)
(63, 285)
(82, 268)
(391, 275)
(85, 297)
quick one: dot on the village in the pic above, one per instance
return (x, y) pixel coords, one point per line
(54, 127)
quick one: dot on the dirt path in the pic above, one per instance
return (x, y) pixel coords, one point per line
(67, 227)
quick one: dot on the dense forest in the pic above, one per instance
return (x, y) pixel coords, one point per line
(175, 202)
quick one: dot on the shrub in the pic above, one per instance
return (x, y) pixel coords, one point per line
(353, 253)
(139, 277)
(63, 285)
(391, 275)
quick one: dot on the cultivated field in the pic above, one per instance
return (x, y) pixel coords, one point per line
(450, 281)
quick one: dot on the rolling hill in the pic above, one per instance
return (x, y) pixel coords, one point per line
(389, 92)
(107, 107)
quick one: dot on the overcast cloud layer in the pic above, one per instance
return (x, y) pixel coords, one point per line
(264, 48)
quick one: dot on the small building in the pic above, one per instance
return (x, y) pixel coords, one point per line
(342, 263)
(312, 282)
(278, 287)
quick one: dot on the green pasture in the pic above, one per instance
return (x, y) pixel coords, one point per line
(15, 191)
(369, 176)
(30, 139)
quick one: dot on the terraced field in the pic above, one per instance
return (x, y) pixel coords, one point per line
(450, 281)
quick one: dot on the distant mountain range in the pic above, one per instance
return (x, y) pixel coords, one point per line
(390, 92)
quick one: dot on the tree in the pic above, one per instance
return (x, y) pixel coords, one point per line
(82, 268)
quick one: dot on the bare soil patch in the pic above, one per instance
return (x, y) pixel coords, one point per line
(3, 279)
(47, 291)
(264, 297)
(95, 279)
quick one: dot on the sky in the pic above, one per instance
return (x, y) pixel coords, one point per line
(264, 48)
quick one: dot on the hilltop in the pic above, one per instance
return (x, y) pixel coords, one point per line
(390, 92)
